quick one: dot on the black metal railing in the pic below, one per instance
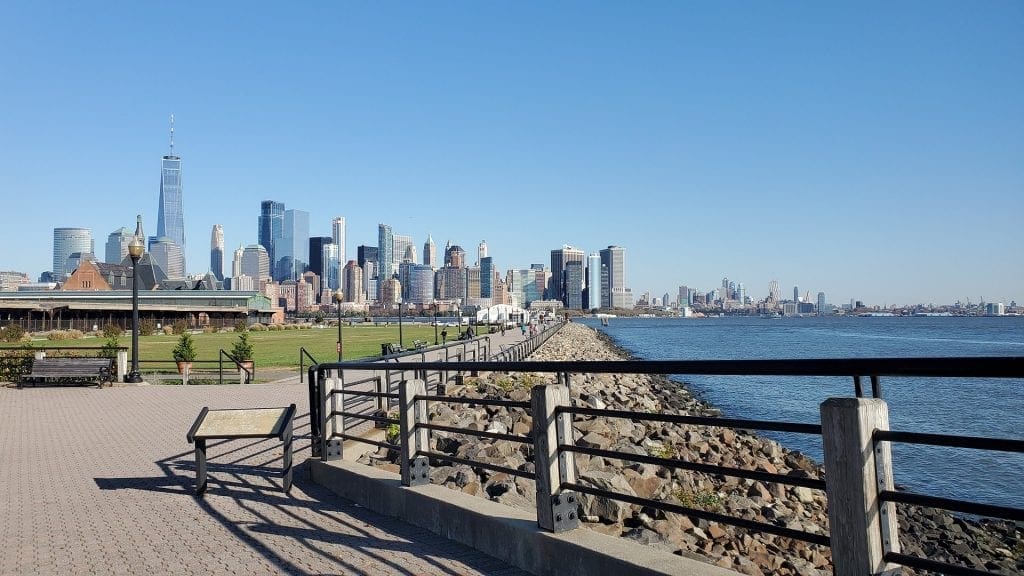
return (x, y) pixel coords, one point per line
(303, 354)
(872, 368)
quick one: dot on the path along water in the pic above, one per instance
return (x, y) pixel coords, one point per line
(976, 407)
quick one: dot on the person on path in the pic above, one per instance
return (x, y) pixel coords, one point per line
(523, 328)
(444, 336)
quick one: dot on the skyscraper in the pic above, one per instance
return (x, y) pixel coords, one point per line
(217, 252)
(170, 220)
(236, 262)
(385, 256)
(559, 259)
(67, 241)
(330, 273)
(316, 256)
(366, 254)
(255, 262)
(292, 252)
(486, 276)
(481, 252)
(167, 255)
(338, 235)
(822, 305)
(593, 281)
(271, 226)
(430, 252)
(614, 259)
(401, 243)
(574, 284)
(117, 246)
(353, 284)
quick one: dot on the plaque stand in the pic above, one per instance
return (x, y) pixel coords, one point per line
(242, 423)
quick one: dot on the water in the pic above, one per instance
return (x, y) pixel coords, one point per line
(976, 407)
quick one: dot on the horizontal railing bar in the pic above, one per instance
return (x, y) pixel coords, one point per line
(990, 510)
(366, 441)
(934, 566)
(971, 367)
(698, 467)
(977, 442)
(710, 516)
(480, 401)
(699, 420)
(363, 393)
(477, 433)
(362, 416)
(372, 379)
(478, 464)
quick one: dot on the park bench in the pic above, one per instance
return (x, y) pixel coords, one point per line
(78, 370)
(418, 344)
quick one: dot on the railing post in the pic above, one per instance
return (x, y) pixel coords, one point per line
(332, 447)
(414, 439)
(557, 510)
(862, 528)
(122, 365)
(315, 409)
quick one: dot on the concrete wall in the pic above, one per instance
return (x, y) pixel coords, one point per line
(506, 533)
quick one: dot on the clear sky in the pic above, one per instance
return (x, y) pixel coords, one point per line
(868, 150)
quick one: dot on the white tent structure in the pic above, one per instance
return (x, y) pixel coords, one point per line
(502, 313)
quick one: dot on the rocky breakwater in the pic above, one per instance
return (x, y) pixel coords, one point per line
(932, 534)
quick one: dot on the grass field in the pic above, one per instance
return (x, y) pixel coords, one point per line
(278, 348)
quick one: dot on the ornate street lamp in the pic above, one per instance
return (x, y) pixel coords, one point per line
(435, 322)
(135, 250)
(400, 344)
(338, 297)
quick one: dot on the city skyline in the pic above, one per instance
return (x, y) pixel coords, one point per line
(865, 152)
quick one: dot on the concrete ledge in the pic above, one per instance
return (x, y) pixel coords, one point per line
(506, 533)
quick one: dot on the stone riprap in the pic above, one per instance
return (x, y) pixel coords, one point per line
(932, 534)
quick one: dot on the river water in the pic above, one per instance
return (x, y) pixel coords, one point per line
(991, 408)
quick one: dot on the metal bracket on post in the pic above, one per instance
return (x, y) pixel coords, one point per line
(419, 471)
(563, 509)
(333, 450)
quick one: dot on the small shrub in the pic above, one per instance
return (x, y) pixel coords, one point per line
(12, 333)
(112, 331)
(147, 327)
(109, 349)
(242, 349)
(55, 335)
(168, 330)
(701, 500)
(274, 327)
(392, 432)
(179, 327)
(257, 328)
(209, 329)
(185, 351)
(241, 325)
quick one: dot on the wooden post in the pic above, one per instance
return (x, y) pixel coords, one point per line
(556, 510)
(333, 448)
(413, 438)
(122, 364)
(862, 529)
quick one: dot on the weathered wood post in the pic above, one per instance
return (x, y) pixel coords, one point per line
(333, 447)
(122, 364)
(556, 508)
(862, 528)
(414, 438)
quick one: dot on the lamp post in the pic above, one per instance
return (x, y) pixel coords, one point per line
(435, 322)
(338, 297)
(400, 343)
(135, 250)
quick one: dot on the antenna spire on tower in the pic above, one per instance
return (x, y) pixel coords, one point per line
(172, 134)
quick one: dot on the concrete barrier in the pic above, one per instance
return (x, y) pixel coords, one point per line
(509, 534)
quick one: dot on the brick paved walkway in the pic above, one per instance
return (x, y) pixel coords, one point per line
(100, 481)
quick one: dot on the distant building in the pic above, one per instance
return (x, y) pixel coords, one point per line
(317, 262)
(10, 280)
(401, 243)
(421, 284)
(995, 309)
(481, 252)
(271, 226)
(330, 271)
(486, 274)
(594, 281)
(217, 252)
(473, 283)
(450, 283)
(170, 220)
(559, 259)
(430, 252)
(338, 237)
(574, 285)
(385, 257)
(292, 252)
(236, 263)
(455, 256)
(822, 306)
(366, 254)
(67, 241)
(255, 262)
(117, 245)
(619, 296)
(167, 254)
(353, 283)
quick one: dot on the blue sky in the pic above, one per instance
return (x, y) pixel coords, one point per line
(871, 150)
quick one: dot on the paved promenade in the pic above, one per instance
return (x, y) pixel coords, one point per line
(100, 481)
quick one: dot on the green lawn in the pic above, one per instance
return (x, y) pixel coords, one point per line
(277, 348)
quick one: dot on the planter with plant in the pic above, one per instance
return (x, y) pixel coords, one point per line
(185, 352)
(241, 351)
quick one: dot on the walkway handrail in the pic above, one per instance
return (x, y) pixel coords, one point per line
(303, 354)
(249, 374)
(855, 435)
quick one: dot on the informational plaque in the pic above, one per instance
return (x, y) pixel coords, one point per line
(242, 423)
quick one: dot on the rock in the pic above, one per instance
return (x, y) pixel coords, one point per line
(594, 440)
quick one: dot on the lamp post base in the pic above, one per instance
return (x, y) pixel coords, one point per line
(133, 377)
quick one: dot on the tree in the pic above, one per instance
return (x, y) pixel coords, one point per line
(185, 351)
